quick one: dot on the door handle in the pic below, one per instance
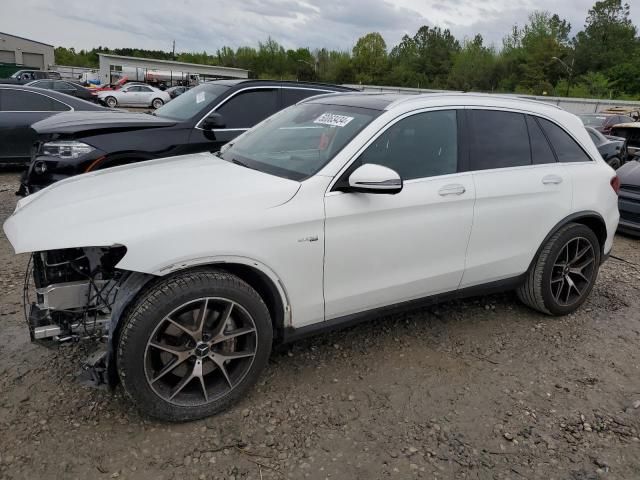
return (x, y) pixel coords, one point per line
(552, 180)
(454, 189)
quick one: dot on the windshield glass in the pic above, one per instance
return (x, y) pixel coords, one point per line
(593, 120)
(300, 140)
(191, 102)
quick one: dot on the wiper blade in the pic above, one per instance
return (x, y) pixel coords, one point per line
(242, 164)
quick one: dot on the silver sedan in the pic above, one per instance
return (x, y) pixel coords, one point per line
(134, 96)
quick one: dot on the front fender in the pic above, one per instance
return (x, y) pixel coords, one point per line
(239, 260)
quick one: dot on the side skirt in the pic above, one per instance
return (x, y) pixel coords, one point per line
(294, 334)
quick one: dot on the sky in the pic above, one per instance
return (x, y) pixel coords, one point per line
(206, 25)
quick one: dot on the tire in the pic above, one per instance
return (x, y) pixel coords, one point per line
(111, 102)
(546, 287)
(157, 103)
(614, 163)
(204, 374)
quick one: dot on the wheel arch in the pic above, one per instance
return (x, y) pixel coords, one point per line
(261, 278)
(588, 218)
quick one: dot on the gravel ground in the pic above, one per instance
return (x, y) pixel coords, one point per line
(483, 388)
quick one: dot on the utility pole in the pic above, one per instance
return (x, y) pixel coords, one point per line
(173, 55)
(569, 71)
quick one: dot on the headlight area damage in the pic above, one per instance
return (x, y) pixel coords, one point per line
(69, 295)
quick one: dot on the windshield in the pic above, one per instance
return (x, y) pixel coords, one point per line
(191, 102)
(593, 120)
(300, 140)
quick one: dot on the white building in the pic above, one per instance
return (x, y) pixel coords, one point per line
(113, 67)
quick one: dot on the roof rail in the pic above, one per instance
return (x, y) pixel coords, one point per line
(410, 97)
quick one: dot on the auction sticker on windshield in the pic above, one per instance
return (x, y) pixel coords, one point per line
(200, 97)
(333, 120)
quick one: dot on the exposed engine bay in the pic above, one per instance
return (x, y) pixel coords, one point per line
(68, 294)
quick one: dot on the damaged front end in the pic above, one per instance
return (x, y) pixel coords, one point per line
(68, 293)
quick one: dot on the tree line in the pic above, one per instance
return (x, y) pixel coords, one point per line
(602, 60)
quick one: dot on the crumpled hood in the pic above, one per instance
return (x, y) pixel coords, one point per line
(141, 201)
(74, 122)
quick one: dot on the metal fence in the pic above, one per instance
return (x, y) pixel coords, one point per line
(72, 73)
(573, 105)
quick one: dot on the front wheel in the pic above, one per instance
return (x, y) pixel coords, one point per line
(111, 102)
(157, 103)
(563, 274)
(193, 345)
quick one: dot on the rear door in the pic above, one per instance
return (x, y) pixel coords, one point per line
(522, 192)
(145, 95)
(19, 109)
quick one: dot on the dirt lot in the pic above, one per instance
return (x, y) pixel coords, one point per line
(483, 388)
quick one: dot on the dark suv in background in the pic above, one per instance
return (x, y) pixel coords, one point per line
(201, 119)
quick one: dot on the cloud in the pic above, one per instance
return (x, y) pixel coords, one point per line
(206, 25)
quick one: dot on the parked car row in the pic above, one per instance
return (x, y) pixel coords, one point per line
(202, 119)
(330, 211)
(20, 107)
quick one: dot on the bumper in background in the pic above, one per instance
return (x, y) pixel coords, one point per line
(55, 169)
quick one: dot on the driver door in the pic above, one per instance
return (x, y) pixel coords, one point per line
(385, 249)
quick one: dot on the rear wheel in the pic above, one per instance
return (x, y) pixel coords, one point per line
(111, 102)
(193, 345)
(157, 103)
(564, 273)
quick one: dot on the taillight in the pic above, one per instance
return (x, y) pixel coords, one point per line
(615, 184)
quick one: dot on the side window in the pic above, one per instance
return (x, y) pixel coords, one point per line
(422, 145)
(63, 86)
(145, 89)
(567, 150)
(22, 101)
(133, 89)
(291, 96)
(250, 107)
(497, 140)
(43, 84)
(541, 152)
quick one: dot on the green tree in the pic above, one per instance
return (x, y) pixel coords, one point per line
(474, 67)
(435, 50)
(534, 58)
(370, 58)
(608, 38)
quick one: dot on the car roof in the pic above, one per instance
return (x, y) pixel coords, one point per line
(402, 101)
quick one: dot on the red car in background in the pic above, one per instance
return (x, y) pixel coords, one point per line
(110, 86)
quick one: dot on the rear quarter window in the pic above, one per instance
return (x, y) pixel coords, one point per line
(565, 147)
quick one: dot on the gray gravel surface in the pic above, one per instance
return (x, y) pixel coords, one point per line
(482, 388)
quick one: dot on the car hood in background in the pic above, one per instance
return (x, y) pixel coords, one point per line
(143, 204)
(629, 173)
(74, 122)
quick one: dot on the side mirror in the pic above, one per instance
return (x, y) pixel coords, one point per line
(214, 120)
(373, 178)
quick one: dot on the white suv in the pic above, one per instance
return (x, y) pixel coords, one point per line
(326, 213)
